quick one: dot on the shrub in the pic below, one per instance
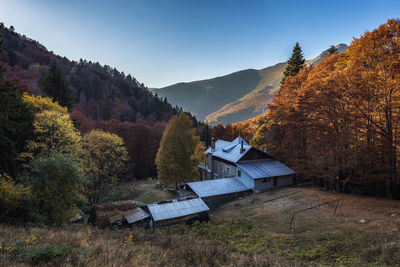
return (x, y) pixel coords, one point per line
(41, 254)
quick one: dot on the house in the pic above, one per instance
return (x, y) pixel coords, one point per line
(175, 211)
(254, 168)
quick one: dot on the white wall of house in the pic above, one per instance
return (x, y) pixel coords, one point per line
(245, 178)
(265, 184)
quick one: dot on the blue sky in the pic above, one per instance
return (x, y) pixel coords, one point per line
(165, 42)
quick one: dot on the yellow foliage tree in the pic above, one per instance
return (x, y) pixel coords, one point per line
(40, 103)
(176, 162)
(104, 156)
(53, 132)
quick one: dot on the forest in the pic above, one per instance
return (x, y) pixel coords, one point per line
(71, 131)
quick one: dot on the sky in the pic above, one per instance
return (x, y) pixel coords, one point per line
(165, 42)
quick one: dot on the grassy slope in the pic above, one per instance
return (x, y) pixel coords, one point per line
(242, 233)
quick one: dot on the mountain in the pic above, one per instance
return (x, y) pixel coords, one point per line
(234, 97)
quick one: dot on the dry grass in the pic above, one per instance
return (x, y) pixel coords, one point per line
(89, 246)
(334, 240)
(241, 233)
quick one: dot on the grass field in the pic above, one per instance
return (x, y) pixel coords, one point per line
(246, 232)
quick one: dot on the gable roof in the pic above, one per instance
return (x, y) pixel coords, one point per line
(229, 151)
(176, 208)
(265, 168)
(218, 187)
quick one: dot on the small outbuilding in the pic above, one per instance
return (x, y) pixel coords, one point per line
(177, 211)
(114, 214)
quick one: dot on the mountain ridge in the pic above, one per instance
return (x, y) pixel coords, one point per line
(230, 103)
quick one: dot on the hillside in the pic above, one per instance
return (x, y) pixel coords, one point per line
(231, 98)
(104, 97)
(100, 92)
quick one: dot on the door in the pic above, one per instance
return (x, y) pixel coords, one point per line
(275, 181)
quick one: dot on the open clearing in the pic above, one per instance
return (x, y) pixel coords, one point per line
(366, 230)
(253, 231)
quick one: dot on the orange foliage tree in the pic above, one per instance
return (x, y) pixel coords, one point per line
(341, 117)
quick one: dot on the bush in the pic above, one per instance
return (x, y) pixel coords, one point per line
(57, 185)
(41, 254)
(14, 199)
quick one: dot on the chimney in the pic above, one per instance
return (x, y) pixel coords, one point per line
(241, 148)
(212, 144)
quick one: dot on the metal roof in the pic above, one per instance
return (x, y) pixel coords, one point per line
(218, 187)
(136, 215)
(176, 208)
(265, 168)
(229, 151)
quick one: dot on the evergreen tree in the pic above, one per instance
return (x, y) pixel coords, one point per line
(332, 50)
(205, 135)
(294, 63)
(14, 122)
(54, 84)
(175, 161)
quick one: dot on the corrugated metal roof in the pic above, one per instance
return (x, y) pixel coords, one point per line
(265, 168)
(176, 208)
(218, 187)
(229, 151)
(136, 215)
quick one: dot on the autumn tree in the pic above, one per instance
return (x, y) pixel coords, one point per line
(175, 161)
(294, 63)
(339, 119)
(54, 84)
(38, 104)
(57, 183)
(104, 157)
(52, 131)
(373, 71)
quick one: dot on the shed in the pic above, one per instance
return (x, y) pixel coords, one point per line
(113, 213)
(220, 191)
(177, 210)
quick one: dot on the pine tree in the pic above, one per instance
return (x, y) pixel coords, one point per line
(14, 122)
(54, 84)
(294, 63)
(175, 161)
(332, 50)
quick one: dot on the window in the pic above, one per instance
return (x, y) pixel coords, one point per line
(227, 170)
(266, 180)
(239, 173)
(275, 181)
